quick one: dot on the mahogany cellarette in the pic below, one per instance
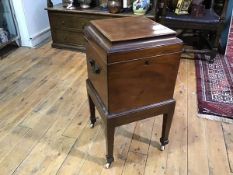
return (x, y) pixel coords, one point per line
(132, 65)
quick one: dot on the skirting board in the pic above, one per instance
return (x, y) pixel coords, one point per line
(40, 37)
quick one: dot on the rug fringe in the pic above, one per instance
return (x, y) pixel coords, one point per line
(216, 118)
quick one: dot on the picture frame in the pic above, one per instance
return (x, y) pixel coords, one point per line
(183, 7)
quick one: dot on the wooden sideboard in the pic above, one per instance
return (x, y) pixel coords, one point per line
(67, 25)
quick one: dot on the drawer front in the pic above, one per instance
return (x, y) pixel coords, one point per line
(71, 21)
(68, 37)
(97, 72)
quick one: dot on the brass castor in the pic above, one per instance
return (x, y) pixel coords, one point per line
(93, 121)
(110, 159)
(162, 147)
(107, 165)
(92, 125)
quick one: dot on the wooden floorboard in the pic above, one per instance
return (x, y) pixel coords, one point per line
(44, 124)
(197, 141)
(228, 135)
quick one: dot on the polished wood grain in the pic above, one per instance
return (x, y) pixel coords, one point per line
(99, 79)
(143, 82)
(131, 28)
(123, 75)
(55, 137)
(160, 45)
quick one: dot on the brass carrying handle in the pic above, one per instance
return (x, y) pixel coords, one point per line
(95, 68)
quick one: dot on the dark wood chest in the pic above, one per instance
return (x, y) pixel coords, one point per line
(134, 68)
(67, 25)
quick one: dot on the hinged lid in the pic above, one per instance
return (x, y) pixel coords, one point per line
(130, 28)
(138, 36)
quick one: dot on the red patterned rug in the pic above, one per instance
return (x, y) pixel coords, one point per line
(215, 85)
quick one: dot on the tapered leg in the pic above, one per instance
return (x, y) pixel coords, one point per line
(167, 121)
(109, 132)
(92, 112)
(217, 38)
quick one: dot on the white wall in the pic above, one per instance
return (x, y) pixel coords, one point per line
(56, 1)
(32, 21)
(21, 20)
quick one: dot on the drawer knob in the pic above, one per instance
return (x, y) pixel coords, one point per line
(146, 62)
(94, 67)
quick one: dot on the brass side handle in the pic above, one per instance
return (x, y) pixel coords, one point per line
(94, 67)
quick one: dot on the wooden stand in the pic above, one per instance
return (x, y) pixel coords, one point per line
(114, 120)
